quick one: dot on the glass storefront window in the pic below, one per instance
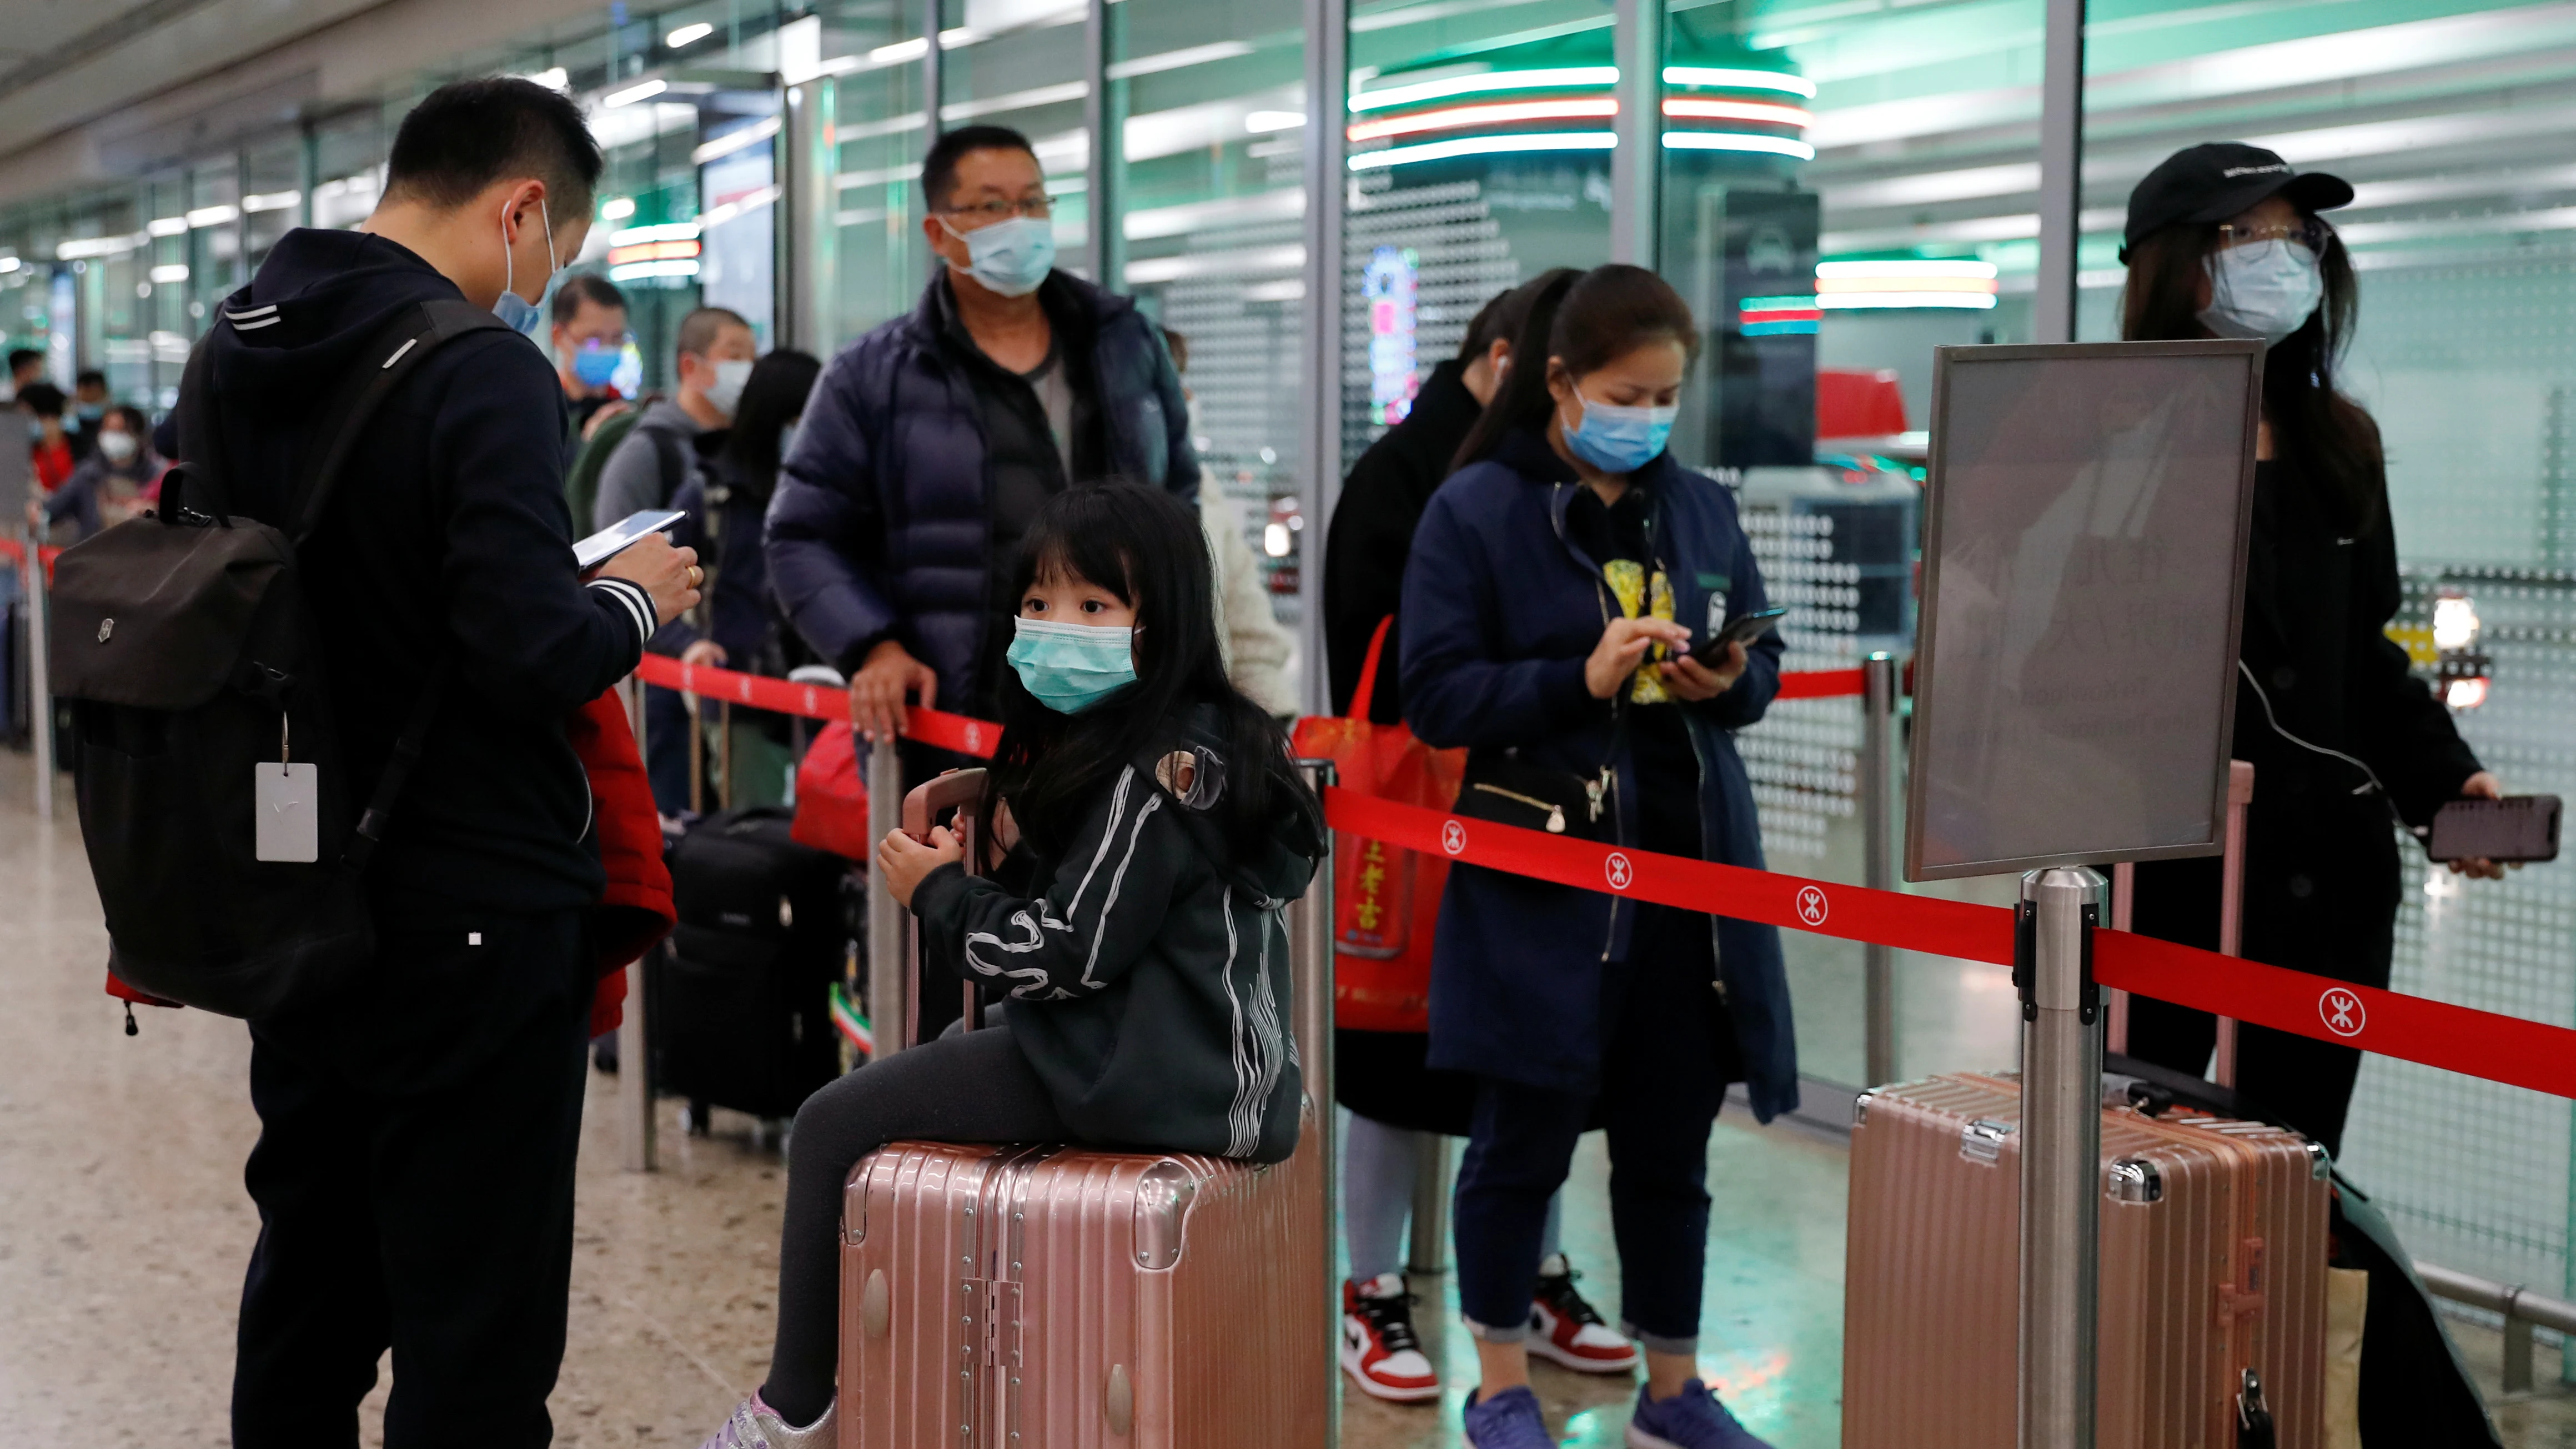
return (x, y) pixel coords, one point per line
(1210, 200)
(874, 134)
(1020, 63)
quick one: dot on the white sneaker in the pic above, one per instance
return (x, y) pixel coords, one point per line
(755, 1425)
(1378, 1346)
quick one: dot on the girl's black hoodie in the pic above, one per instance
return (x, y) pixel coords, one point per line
(1147, 979)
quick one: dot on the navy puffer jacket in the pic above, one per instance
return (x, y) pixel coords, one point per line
(880, 527)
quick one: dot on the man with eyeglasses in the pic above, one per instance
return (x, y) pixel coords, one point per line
(932, 442)
(590, 342)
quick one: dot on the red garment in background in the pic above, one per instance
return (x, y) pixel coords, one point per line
(53, 464)
(635, 909)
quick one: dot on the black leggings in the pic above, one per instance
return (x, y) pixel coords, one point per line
(971, 1088)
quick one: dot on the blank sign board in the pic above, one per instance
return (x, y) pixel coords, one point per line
(2084, 563)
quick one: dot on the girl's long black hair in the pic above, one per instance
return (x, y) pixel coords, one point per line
(1143, 545)
(2325, 435)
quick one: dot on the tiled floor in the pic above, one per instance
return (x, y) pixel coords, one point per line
(123, 1231)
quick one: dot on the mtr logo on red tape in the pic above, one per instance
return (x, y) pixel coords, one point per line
(2342, 1012)
(1453, 837)
(1812, 907)
(1619, 872)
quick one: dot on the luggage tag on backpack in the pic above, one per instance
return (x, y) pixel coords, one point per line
(289, 801)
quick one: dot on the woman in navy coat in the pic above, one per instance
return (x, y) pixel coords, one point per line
(1555, 587)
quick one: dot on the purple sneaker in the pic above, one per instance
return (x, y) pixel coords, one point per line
(1691, 1419)
(755, 1425)
(1508, 1420)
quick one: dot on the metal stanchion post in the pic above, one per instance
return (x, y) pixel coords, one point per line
(1878, 861)
(2231, 909)
(2115, 1003)
(1310, 944)
(40, 683)
(2061, 1152)
(889, 953)
(1427, 1247)
(634, 1055)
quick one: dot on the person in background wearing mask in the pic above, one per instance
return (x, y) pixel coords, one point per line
(1258, 650)
(2225, 240)
(1543, 609)
(715, 348)
(88, 406)
(117, 481)
(414, 1171)
(47, 442)
(736, 626)
(1379, 1075)
(589, 338)
(933, 441)
(26, 365)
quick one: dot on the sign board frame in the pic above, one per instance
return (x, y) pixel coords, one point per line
(1926, 720)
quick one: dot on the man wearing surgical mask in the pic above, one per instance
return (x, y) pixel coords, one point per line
(589, 337)
(716, 350)
(931, 443)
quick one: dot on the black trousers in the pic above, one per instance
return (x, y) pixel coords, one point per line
(1668, 1052)
(973, 1087)
(414, 1177)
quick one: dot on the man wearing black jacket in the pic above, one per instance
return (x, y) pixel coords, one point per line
(1383, 498)
(414, 1172)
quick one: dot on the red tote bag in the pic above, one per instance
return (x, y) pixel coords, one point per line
(1385, 901)
(832, 796)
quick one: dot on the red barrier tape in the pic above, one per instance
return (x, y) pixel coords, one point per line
(16, 553)
(2455, 1038)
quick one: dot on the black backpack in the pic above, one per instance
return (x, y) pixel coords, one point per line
(185, 642)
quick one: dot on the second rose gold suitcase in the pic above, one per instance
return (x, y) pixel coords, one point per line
(2214, 1254)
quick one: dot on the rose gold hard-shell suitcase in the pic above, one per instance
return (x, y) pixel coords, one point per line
(2213, 1238)
(1054, 1297)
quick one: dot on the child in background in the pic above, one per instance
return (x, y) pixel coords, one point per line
(1166, 835)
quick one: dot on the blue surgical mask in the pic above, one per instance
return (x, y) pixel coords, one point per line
(1071, 667)
(595, 364)
(521, 314)
(1009, 257)
(2262, 292)
(1617, 439)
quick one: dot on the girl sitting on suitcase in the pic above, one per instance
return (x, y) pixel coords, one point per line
(1144, 978)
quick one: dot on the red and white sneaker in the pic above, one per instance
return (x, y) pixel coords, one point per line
(1378, 1346)
(1565, 1329)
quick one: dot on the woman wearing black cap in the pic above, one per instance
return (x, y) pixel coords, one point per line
(2225, 241)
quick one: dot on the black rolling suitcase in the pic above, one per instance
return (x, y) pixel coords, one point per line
(740, 1012)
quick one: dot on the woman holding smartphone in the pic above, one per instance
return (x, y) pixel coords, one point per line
(1555, 588)
(2225, 240)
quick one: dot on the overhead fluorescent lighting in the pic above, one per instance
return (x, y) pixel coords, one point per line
(167, 226)
(668, 231)
(1905, 282)
(1261, 123)
(9, 264)
(1548, 78)
(162, 276)
(1854, 301)
(629, 96)
(1908, 267)
(617, 208)
(688, 35)
(97, 246)
(900, 51)
(639, 271)
(1485, 146)
(1736, 141)
(732, 141)
(553, 78)
(1179, 59)
(715, 216)
(1720, 78)
(271, 200)
(214, 216)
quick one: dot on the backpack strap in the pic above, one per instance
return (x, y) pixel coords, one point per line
(666, 456)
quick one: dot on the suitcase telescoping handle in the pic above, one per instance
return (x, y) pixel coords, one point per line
(2231, 916)
(962, 791)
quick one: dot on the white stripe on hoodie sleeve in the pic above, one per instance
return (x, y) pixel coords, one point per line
(638, 604)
